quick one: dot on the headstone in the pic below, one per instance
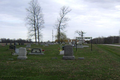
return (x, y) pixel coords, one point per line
(62, 52)
(22, 53)
(12, 47)
(16, 51)
(14, 43)
(79, 46)
(46, 44)
(37, 51)
(68, 52)
(29, 49)
(70, 43)
(74, 42)
(22, 43)
(28, 45)
(36, 43)
(10, 43)
(85, 46)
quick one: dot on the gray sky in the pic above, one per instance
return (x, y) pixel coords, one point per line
(95, 17)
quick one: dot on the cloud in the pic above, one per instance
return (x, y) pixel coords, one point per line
(95, 17)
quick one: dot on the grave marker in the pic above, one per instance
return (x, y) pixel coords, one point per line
(37, 51)
(28, 45)
(22, 53)
(16, 51)
(68, 52)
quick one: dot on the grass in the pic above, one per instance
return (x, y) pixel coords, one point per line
(103, 63)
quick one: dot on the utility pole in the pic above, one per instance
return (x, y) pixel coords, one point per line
(52, 36)
(119, 36)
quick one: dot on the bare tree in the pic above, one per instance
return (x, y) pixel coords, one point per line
(34, 19)
(40, 23)
(61, 21)
(63, 37)
(80, 33)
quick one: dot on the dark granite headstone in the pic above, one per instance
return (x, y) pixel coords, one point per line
(10, 43)
(36, 51)
(62, 47)
(12, 47)
(68, 52)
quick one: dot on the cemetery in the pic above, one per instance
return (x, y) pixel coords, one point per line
(41, 43)
(102, 63)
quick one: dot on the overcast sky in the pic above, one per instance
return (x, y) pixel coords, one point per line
(95, 17)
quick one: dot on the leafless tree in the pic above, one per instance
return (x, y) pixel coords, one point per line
(62, 20)
(63, 37)
(35, 19)
(80, 33)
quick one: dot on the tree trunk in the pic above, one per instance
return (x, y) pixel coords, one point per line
(38, 36)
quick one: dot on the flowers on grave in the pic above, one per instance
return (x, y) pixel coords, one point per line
(43, 50)
(60, 50)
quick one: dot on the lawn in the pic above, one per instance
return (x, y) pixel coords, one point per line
(103, 63)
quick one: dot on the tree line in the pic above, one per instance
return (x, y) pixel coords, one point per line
(4, 40)
(106, 40)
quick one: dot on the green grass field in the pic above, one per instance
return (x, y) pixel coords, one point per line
(103, 63)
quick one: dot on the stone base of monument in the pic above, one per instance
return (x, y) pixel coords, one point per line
(16, 51)
(68, 57)
(61, 52)
(37, 53)
(79, 46)
(81, 58)
(22, 57)
(85, 46)
(14, 54)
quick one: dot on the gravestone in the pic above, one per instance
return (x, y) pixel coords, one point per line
(79, 46)
(68, 52)
(14, 43)
(22, 43)
(36, 43)
(28, 45)
(22, 53)
(37, 51)
(16, 51)
(12, 47)
(10, 43)
(62, 52)
(85, 46)
(46, 44)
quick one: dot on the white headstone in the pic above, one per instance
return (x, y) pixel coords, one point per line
(62, 52)
(28, 45)
(22, 53)
(16, 51)
(46, 44)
